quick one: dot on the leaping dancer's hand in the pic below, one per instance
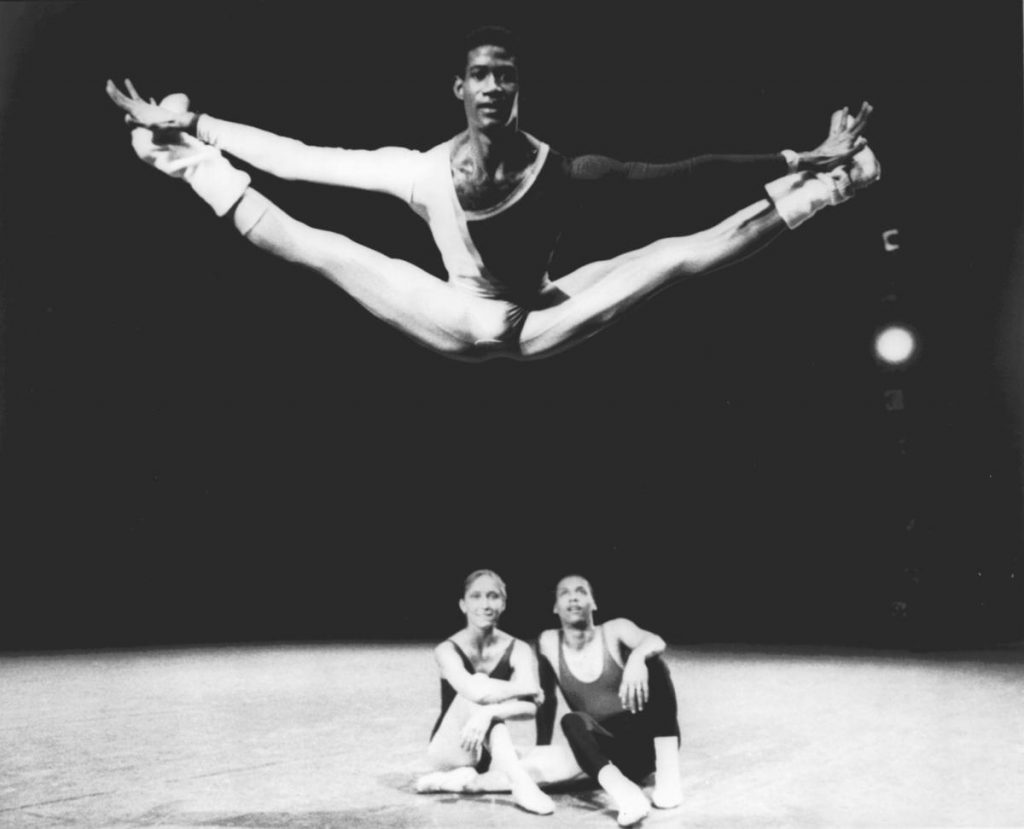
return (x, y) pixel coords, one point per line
(140, 113)
(160, 134)
(162, 137)
(845, 139)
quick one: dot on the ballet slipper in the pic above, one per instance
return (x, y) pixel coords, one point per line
(667, 796)
(628, 798)
(532, 799)
(864, 169)
(202, 167)
(452, 780)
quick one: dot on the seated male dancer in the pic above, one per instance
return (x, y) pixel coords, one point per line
(622, 724)
(496, 200)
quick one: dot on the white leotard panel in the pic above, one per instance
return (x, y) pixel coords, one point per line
(434, 199)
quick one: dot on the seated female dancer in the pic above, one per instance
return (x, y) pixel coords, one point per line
(487, 678)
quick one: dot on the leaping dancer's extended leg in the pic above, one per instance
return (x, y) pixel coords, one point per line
(600, 293)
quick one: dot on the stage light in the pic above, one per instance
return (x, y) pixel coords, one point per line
(895, 344)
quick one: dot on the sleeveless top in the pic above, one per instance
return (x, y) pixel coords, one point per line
(599, 698)
(503, 670)
(502, 252)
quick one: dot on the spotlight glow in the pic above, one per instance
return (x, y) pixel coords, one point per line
(895, 345)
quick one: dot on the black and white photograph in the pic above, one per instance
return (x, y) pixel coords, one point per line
(511, 414)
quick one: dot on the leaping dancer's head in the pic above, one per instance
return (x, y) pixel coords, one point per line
(483, 598)
(487, 79)
(574, 602)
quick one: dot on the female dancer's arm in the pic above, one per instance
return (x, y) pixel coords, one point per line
(484, 690)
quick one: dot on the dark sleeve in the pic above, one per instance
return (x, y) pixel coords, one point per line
(546, 711)
(724, 169)
(722, 181)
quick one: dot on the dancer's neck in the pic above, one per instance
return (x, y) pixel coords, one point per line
(577, 638)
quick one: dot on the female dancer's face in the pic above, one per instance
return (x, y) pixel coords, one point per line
(483, 603)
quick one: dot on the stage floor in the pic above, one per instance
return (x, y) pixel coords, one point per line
(303, 736)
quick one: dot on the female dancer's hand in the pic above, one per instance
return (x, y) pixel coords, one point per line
(474, 732)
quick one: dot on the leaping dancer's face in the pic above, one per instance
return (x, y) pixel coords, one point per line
(483, 603)
(489, 89)
(574, 602)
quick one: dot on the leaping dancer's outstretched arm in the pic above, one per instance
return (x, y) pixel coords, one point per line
(724, 179)
(388, 170)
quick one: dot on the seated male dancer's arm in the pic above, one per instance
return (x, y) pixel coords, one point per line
(523, 688)
(634, 691)
(389, 170)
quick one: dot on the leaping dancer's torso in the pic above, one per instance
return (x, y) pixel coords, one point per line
(502, 251)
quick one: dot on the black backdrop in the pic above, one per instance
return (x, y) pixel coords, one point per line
(202, 444)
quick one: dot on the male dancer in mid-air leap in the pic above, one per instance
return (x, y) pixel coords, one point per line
(496, 200)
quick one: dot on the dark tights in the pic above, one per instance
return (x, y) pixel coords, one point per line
(626, 739)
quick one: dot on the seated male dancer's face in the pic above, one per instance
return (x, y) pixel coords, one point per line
(574, 601)
(489, 88)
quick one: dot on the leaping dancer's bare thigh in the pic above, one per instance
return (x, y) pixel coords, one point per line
(446, 319)
(595, 295)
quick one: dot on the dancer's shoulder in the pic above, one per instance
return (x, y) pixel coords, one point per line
(547, 643)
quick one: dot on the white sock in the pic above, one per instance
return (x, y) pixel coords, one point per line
(799, 196)
(668, 786)
(250, 210)
(217, 183)
(630, 801)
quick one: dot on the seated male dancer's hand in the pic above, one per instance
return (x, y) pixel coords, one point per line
(633, 691)
(845, 139)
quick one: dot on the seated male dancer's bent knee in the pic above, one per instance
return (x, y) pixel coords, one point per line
(586, 738)
(662, 705)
